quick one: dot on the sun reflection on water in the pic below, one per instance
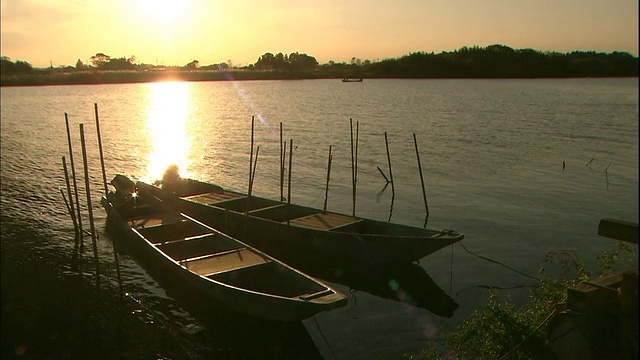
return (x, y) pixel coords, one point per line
(168, 121)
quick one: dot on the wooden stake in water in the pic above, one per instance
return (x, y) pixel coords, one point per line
(72, 212)
(104, 173)
(90, 208)
(326, 190)
(289, 185)
(354, 164)
(75, 185)
(253, 174)
(246, 219)
(282, 147)
(386, 141)
(424, 192)
(250, 163)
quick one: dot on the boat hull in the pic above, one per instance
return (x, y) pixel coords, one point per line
(298, 234)
(255, 299)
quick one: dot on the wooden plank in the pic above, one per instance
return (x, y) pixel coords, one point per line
(225, 262)
(154, 220)
(213, 197)
(324, 221)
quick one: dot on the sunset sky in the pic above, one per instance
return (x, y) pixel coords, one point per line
(175, 32)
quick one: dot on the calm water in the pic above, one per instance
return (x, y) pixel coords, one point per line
(492, 154)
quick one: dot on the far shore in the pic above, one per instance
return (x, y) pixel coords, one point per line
(128, 77)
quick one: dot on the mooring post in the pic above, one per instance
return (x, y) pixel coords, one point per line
(89, 206)
(354, 164)
(283, 147)
(326, 190)
(104, 172)
(246, 218)
(424, 192)
(253, 174)
(386, 141)
(289, 184)
(72, 212)
(75, 184)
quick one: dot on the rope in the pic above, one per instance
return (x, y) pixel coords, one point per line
(499, 263)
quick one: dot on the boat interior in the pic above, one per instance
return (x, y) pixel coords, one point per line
(218, 257)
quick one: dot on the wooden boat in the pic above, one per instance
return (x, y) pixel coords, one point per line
(298, 234)
(212, 263)
(351, 80)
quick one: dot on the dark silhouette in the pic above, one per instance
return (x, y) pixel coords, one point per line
(494, 61)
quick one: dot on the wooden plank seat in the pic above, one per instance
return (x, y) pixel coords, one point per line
(325, 221)
(224, 262)
(198, 246)
(213, 197)
(152, 220)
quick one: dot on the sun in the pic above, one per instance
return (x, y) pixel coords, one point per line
(163, 10)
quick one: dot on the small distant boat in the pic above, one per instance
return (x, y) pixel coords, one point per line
(351, 80)
(214, 264)
(298, 234)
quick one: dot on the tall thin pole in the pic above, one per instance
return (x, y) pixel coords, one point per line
(424, 192)
(282, 145)
(246, 218)
(89, 206)
(104, 173)
(250, 163)
(253, 175)
(72, 212)
(282, 166)
(326, 190)
(353, 171)
(75, 185)
(289, 185)
(386, 141)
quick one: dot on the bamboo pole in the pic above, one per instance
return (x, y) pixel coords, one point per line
(76, 239)
(386, 141)
(289, 183)
(282, 145)
(89, 206)
(282, 167)
(326, 190)
(246, 218)
(104, 173)
(424, 192)
(75, 184)
(250, 162)
(353, 171)
(253, 175)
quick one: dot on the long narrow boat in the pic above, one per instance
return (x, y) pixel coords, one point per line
(298, 234)
(215, 264)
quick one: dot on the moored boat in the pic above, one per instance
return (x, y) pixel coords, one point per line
(221, 267)
(299, 234)
(352, 80)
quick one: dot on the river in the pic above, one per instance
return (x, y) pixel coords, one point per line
(521, 167)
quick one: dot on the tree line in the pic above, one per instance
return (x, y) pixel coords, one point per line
(494, 61)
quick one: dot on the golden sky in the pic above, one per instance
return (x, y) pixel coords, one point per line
(175, 32)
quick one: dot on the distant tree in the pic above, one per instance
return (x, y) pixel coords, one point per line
(17, 67)
(117, 64)
(192, 65)
(99, 59)
(293, 61)
(79, 65)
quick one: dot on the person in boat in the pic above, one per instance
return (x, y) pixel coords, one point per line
(125, 188)
(171, 178)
